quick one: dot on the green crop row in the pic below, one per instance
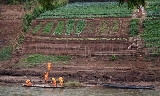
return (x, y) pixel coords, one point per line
(59, 28)
(70, 26)
(88, 10)
(133, 30)
(151, 33)
(37, 28)
(76, 27)
(80, 27)
(48, 28)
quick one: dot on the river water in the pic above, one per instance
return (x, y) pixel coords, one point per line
(14, 90)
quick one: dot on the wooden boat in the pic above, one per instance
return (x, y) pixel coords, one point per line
(43, 86)
(127, 86)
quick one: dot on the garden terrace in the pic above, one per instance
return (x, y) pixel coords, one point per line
(94, 36)
(88, 10)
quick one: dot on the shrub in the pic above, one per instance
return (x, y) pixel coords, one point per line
(5, 53)
(27, 21)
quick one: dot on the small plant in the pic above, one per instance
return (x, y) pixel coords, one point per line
(113, 57)
(59, 28)
(5, 53)
(48, 28)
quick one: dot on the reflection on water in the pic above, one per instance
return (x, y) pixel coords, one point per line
(83, 91)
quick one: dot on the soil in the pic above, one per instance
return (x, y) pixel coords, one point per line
(92, 70)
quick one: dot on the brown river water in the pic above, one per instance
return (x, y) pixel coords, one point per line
(17, 90)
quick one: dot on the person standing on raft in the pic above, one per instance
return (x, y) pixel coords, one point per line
(28, 82)
(46, 76)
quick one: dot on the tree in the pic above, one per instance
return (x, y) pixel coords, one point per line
(47, 4)
(133, 3)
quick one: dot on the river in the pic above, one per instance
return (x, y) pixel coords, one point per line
(15, 90)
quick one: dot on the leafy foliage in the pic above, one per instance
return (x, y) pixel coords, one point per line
(5, 53)
(48, 28)
(133, 30)
(70, 26)
(80, 27)
(59, 28)
(103, 26)
(88, 10)
(27, 20)
(133, 3)
(114, 27)
(152, 33)
(36, 59)
(153, 8)
(37, 28)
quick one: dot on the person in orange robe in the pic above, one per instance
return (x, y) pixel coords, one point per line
(61, 81)
(49, 66)
(28, 82)
(46, 77)
(54, 82)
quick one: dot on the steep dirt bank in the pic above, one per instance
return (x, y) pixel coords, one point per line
(86, 70)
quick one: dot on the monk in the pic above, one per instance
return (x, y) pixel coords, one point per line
(28, 82)
(46, 77)
(49, 66)
(61, 81)
(54, 82)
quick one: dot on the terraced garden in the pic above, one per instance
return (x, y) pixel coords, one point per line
(79, 29)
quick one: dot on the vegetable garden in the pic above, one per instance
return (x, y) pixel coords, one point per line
(77, 28)
(152, 27)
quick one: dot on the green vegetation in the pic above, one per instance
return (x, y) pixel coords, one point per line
(114, 26)
(59, 28)
(52, 4)
(5, 53)
(151, 27)
(88, 10)
(113, 57)
(153, 8)
(37, 28)
(36, 59)
(133, 3)
(70, 26)
(80, 27)
(73, 84)
(102, 28)
(133, 30)
(48, 28)
(152, 33)
(91, 26)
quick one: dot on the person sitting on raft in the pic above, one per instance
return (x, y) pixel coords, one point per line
(28, 82)
(61, 81)
(54, 82)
